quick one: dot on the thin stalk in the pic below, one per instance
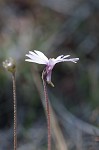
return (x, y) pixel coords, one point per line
(15, 112)
(48, 114)
(59, 140)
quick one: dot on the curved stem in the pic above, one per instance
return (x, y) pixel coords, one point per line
(15, 112)
(48, 114)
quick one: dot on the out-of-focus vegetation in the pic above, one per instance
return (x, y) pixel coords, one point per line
(54, 27)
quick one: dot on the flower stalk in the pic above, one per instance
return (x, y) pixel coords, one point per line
(15, 111)
(47, 110)
(10, 66)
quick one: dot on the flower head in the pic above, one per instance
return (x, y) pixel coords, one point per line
(39, 58)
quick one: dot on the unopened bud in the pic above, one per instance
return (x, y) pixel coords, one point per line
(10, 65)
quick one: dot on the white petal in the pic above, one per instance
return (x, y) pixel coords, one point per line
(38, 62)
(74, 60)
(29, 60)
(41, 55)
(32, 57)
(66, 56)
(33, 54)
(36, 59)
(59, 56)
(62, 57)
(71, 59)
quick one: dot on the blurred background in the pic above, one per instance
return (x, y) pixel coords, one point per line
(54, 27)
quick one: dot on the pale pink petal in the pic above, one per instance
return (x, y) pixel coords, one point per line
(51, 62)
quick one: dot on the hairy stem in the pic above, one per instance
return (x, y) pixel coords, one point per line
(48, 114)
(15, 112)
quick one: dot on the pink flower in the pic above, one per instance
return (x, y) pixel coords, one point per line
(40, 58)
